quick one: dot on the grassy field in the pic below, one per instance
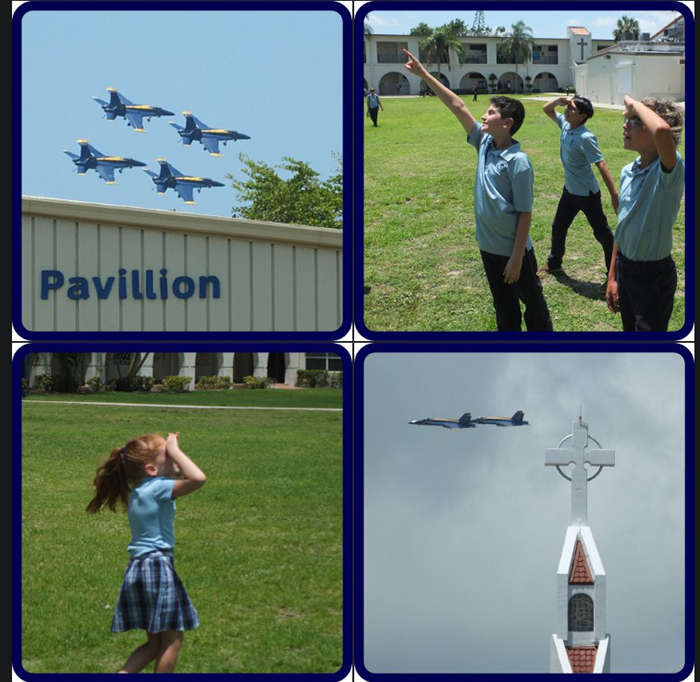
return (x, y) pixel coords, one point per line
(421, 260)
(259, 548)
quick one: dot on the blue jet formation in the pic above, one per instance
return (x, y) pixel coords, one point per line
(197, 131)
(184, 185)
(91, 158)
(134, 114)
(466, 421)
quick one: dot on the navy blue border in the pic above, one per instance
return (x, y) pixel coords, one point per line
(16, 477)
(222, 5)
(358, 117)
(358, 474)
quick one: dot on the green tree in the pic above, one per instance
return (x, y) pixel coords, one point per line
(421, 30)
(517, 45)
(627, 29)
(479, 27)
(301, 199)
(437, 45)
(457, 27)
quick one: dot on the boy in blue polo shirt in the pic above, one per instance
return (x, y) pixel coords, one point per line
(578, 150)
(503, 196)
(642, 278)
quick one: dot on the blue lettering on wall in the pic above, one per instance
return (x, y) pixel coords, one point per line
(137, 286)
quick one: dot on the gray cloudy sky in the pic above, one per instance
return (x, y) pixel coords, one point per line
(464, 529)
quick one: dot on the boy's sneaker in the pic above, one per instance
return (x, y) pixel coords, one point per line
(550, 268)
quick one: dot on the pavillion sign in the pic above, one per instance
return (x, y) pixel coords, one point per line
(101, 268)
(129, 284)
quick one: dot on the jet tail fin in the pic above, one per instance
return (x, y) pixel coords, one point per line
(517, 418)
(464, 420)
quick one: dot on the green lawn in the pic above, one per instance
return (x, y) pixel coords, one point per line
(259, 548)
(421, 260)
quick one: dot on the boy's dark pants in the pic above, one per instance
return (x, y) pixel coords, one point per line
(507, 297)
(567, 210)
(373, 111)
(645, 290)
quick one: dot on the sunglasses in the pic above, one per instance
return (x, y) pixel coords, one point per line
(633, 122)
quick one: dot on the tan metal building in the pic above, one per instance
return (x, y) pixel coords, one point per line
(101, 268)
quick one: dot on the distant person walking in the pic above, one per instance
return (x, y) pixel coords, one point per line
(475, 92)
(373, 106)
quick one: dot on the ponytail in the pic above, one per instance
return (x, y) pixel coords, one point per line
(117, 475)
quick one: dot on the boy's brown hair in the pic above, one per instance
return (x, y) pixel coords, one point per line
(670, 112)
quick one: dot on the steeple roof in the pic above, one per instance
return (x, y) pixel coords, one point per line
(582, 658)
(580, 573)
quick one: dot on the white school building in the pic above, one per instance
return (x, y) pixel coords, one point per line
(100, 268)
(595, 68)
(278, 367)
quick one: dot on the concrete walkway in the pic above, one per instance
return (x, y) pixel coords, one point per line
(183, 407)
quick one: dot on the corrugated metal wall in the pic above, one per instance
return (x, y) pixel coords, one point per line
(272, 277)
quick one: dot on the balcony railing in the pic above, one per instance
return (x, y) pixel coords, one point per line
(473, 59)
(546, 60)
(391, 58)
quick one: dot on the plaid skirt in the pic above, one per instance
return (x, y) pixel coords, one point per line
(152, 597)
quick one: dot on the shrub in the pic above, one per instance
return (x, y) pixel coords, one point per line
(335, 380)
(256, 382)
(207, 383)
(312, 378)
(144, 384)
(176, 384)
(46, 383)
(95, 384)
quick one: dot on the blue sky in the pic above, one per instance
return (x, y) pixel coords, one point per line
(545, 24)
(275, 75)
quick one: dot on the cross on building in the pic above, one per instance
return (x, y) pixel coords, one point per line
(581, 643)
(583, 44)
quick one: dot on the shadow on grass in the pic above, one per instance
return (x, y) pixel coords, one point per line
(591, 290)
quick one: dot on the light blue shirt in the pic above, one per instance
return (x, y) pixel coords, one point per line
(649, 202)
(152, 515)
(373, 100)
(578, 150)
(503, 189)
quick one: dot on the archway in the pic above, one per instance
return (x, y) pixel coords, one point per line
(510, 83)
(276, 365)
(243, 366)
(394, 83)
(545, 82)
(207, 365)
(473, 79)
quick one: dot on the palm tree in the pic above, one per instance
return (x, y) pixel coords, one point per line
(518, 45)
(627, 29)
(438, 44)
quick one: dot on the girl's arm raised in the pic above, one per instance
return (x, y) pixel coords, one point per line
(194, 477)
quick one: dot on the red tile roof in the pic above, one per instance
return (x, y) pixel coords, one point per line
(580, 572)
(579, 31)
(582, 658)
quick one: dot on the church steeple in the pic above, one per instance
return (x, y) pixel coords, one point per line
(581, 643)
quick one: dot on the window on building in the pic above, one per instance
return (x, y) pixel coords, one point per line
(328, 361)
(580, 613)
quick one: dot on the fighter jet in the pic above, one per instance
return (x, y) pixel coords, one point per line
(134, 114)
(184, 185)
(466, 421)
(197, 130)
(515, 420)
(104, 165)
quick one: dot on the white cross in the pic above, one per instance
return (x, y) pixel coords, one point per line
(578, 456)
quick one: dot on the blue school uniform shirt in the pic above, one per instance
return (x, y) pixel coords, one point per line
(649, 202)
(578, 150)
(373, 100)
(503, 189)
(151, 515)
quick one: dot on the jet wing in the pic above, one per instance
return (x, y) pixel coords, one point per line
(185, 192)
(136, 120)
(106, 172)
(211, 144)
